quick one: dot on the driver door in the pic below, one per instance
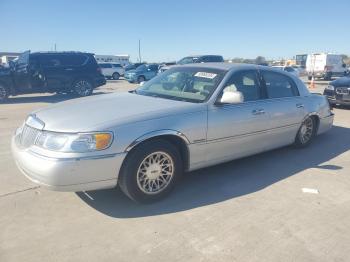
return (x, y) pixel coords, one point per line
(238, 130)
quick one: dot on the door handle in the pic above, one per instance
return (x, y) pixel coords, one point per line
(300, 105)
(258, 112)
(69, 69)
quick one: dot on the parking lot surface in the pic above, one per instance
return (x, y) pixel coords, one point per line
(284, 205)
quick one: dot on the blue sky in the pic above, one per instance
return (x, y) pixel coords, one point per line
(170, 30)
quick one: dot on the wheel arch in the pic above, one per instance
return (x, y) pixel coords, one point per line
(315, 116)
(176, 138)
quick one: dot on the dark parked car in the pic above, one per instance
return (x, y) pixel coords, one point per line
(142, 73)
(196, 59)
(133, 66)
(338, 91)
(61, 72)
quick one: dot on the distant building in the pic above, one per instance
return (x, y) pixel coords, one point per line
(121, 59)
(5, 57)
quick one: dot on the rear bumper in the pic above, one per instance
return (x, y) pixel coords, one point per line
(100, 81)
(326, 123)
(69, 174)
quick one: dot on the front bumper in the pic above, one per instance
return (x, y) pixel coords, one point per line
(130, 78)
(337, 99)
(69, 174)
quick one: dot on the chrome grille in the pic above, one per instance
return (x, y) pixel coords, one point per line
(28, 136)
(342, 90)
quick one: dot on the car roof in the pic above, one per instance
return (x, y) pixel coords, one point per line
(232, 66)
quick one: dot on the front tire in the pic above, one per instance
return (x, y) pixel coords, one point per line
(4, 93)
(306, 133)
(151, 171)
(83, 87)
(115, 76)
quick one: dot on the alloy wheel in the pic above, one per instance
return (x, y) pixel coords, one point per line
(155, 173)
(306, 130)
(83, 88)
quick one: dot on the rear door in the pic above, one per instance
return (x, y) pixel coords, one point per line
(107, 69)
(237, 130)
(54, 72)
(285, 106)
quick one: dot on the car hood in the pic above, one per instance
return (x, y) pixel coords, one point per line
(102, 112)
(341, 82)
(132, 71)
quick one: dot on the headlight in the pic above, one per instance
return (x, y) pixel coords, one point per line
(330, 87)
(85, 142)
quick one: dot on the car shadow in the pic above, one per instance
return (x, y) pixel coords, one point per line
(47, 98)
(230, 180)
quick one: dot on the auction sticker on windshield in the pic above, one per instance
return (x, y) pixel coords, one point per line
(206, 75)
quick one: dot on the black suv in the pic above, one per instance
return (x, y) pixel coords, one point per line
(61, 72)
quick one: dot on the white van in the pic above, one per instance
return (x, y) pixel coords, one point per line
(325, 66)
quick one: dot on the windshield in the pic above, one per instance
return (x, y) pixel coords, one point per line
(188, 60)
(141, 68)
(184, 84)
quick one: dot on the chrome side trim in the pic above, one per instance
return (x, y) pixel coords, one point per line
(155, 134)
(249, 134)
(70, 159)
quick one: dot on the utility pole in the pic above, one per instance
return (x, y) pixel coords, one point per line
(139, 50)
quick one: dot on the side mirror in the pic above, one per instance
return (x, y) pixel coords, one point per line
(142, 83)
(232, 97)
(344, 65)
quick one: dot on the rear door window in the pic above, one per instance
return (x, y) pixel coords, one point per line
(278, 85)
(105, 65)
(51, 60)
(73, 60)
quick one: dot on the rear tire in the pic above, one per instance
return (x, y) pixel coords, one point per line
(4, 93)
(83, 87)
(115, 76)
(306, 133)
(150, 171)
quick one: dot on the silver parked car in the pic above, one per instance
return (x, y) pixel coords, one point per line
(186, 118)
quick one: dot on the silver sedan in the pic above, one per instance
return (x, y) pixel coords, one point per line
(186, 118)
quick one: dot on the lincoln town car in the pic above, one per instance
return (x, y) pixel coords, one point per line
(189, 117)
